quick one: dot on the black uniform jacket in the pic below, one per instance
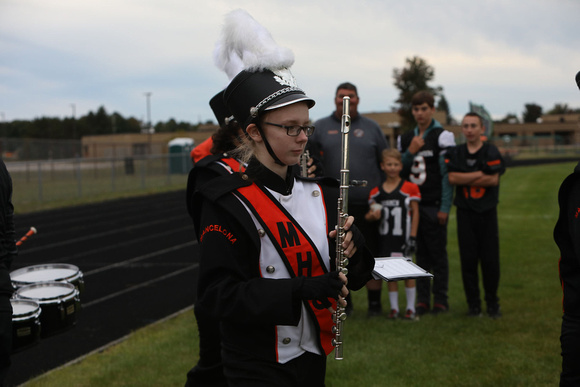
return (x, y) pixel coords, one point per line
(8, 249)
(230, 286)
(203, 171)
(566, 236)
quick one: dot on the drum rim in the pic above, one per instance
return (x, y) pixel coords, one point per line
(25, 316)
(66, 297)
(27, 269)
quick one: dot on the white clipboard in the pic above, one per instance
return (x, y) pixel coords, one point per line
(397, 269)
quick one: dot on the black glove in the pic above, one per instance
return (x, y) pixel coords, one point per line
(319, 288)
(357, 236)
(410, 246)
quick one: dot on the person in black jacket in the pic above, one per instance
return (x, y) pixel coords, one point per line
(423, 150)
(222, 161)
(209, 371)
(567, 237)
(8, 251)
(266, 240)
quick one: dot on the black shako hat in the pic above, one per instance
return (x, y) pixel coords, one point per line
(251, 93)
(219, 108)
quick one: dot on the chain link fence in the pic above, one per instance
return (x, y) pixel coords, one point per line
(51, 173)
(43, 184)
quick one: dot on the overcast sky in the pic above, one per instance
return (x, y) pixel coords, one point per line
(60, 56)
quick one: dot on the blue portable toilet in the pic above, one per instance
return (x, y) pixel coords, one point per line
(179, 155)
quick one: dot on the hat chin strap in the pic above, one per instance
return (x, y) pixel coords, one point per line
(269, 148)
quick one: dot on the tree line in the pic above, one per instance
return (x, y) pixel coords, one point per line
(94, 123)
(414, 76)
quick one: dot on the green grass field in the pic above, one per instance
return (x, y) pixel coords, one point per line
(520, 349)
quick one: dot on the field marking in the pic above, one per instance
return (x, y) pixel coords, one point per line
(132, 241)
(139, 258)
(141, 285)
(102, 234)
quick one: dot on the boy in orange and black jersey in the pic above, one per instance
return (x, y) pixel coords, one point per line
(394, 205)
(474, 168)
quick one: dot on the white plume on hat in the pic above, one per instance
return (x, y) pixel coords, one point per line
(246, 45)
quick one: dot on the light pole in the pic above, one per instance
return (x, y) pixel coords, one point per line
(2, 118)
(74, 113)
(148, 126)
(148, 99)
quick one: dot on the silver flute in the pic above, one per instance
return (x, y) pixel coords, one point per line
(304, 163)
(341, 259)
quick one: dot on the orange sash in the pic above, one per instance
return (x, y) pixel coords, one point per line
(232, 163)
(295, 247)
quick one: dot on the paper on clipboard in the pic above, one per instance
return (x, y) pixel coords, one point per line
(397, 269)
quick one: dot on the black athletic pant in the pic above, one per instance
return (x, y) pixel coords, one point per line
(431, 255)
(477, 235)
(5, 322)
(570, 341)
(5, 336)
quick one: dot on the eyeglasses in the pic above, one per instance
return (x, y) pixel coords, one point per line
(294, 130)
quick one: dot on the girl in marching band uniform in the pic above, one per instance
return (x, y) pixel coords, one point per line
(266, 240)
(265, 237)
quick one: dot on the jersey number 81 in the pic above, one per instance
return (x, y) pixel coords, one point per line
(392, 216)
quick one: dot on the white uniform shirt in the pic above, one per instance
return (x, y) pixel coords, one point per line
(305, 204)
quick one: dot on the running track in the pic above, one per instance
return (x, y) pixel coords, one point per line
(139, 259)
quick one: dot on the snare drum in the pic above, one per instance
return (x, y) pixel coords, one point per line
(25, 323)
(59, 302)
(54, 272)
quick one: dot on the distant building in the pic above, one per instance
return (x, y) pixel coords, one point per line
(550, 130)
(556, 129)
(138, 144)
